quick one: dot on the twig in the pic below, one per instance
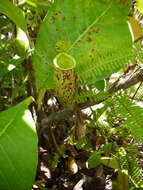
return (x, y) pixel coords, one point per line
(137, 90)
(122, 83)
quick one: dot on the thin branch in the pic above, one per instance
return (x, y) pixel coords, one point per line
(137, 90)
(127, 81)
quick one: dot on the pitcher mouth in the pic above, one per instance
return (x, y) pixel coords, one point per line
(63, 61)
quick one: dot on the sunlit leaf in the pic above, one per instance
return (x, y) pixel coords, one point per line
(140, 5)
(110, 162)
(10, 66)
(22, 42)
(14, 13)
(94, 160)
(18, 148)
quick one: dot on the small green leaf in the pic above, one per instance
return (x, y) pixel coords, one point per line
(39, 4)
(10, 66)
(110, 162)
(14, 13)
(82, 143)
(100, 85)
(122, 182)
(107, 148)
(134, 117)
(94, 160)
(140, 5)
(18, 148)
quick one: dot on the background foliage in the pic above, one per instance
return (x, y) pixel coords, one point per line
(42, 140)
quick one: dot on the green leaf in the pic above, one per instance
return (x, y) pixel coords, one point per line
(93, 32)
(94, 160)
(39, 4)
(14, 13)
(107, 148)
(92, 96)
(110, 162)
(122, 182)
(100, 85)
(133, 115)
(82, 143)
(140, 5)
(11, 65)
(18, 148)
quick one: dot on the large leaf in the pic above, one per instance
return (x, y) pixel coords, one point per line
(18, 148)
(14, 13)
(95, 33)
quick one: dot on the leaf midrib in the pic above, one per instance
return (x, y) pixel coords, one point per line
(7, 125)
(89, 27)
